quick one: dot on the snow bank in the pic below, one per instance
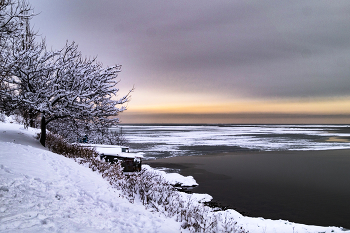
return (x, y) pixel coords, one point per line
(174, 178)
(281, 226)
(183, 181)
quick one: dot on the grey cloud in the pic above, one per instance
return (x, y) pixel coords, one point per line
(260, 49)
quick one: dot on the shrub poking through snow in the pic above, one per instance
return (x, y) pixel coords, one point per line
(151, 189)
(59, 145)
(158, 195)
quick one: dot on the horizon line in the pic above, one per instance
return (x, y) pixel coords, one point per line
(233, 118)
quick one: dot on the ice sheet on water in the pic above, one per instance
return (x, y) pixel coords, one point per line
(183, 140)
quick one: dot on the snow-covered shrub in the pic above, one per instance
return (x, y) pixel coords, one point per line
(151, 189)
(74, 131)
(83, 155)
(227, 224)
(30, 118)
(2, 117)
(18, 118)
(158, 195)
(59, 145)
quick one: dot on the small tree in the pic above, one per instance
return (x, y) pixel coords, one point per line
(82, 90)
(64, 85)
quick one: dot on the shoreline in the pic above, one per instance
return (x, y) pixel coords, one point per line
(308, 187)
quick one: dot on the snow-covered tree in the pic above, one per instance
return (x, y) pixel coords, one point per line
(82, 90)
(60, 86)
(14, 33)
(65, 85)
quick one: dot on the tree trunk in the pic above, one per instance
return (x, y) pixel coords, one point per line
(43, 131)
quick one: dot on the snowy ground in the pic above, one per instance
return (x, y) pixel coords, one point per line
(44, 192)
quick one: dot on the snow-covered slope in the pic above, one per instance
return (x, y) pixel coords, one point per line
(44, 192)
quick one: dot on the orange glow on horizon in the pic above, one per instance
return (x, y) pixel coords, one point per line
(293, 107)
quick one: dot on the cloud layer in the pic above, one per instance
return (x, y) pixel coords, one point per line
(233, 49)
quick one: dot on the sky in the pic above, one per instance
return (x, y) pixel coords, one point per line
(214, 61)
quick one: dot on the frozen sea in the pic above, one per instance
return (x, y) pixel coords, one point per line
(160, 141)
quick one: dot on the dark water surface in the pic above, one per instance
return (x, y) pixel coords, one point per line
(310, 187)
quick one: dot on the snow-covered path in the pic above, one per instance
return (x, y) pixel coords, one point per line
(44, 192)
